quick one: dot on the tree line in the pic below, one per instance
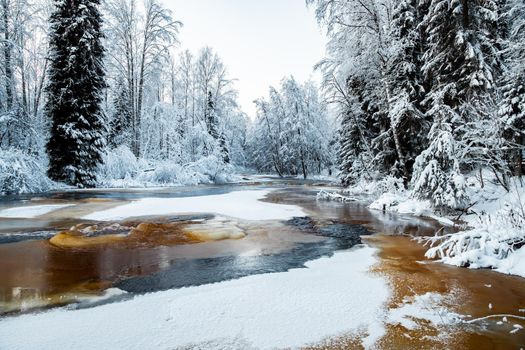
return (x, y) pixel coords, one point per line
(81, 78)
(84, 79)
(427, 90)
(292, 133)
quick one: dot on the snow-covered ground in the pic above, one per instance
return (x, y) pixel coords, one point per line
(330, 297)
(494, 234)
(239, 204)
(31, 211)
(493, 229)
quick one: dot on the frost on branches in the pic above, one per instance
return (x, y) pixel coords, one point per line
(495, 233)
(431, 93)
(292, 134)
(436, 172)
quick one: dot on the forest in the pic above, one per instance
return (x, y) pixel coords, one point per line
(143, 200)
(416, 97)
(157, 114)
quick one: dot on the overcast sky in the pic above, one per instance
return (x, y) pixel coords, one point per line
(260, 41)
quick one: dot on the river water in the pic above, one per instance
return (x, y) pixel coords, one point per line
(157, 253)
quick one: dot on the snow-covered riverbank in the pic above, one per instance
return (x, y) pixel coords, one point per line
(492, 228)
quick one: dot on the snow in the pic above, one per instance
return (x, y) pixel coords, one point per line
(332, 296)
(403, 203)
(332, 196)
(514, 264)
(492, 235)
(427, 307)
(239, 204)
(121, 169)
(31, 211)
(21, 172)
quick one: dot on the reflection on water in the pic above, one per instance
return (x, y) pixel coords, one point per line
(183, 273)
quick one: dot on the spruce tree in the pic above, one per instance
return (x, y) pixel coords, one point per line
(349, 149)
(358, 126)
(512, 106)
(405, 74)
(212, 125)
(76, 82)
(512, 114)
(460, 62)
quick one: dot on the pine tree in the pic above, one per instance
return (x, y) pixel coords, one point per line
(76, 81)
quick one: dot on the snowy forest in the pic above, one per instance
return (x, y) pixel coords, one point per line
(428, 91)
(425, 92)
(262, 174)
(151, 112)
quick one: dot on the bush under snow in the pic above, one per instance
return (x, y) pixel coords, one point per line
(22, 173)
(495, 237)
(120, 168)
(494, 229)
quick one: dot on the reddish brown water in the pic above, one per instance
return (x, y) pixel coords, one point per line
(403, 262)
(71, 266)
(474, 290)
(39, 273)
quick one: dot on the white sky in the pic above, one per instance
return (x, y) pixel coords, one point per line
(260, 41)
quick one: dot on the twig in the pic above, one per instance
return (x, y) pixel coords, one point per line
(495, 316)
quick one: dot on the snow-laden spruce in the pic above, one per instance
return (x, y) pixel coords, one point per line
(419, 88)
(74, 92)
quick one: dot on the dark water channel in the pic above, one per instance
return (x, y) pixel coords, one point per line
(36, 274)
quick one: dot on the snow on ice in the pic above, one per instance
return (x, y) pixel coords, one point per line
(31, 211)
(332, 296)
(240, 204)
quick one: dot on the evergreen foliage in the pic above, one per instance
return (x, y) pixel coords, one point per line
(76, 82)
(433, 90)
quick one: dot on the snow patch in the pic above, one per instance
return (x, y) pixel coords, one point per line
(331, 297)
(240, 204)
(427, 307)
(33, 211)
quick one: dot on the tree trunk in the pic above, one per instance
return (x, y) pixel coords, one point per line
(518, 158)
(140, 96)
(7, 56)
(40, 89)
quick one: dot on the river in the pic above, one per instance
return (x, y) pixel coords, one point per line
(77, 268)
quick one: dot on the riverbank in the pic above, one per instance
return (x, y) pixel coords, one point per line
(488, 233)
(297, 274)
